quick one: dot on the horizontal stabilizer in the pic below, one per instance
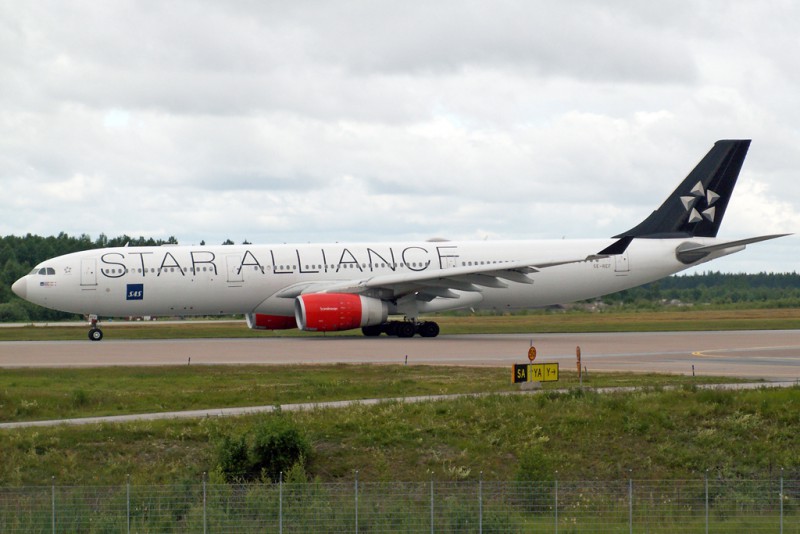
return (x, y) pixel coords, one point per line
(691, 252)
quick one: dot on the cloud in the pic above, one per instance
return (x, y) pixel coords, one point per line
(371, 120)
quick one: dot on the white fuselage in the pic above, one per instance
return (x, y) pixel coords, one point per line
(239, 279)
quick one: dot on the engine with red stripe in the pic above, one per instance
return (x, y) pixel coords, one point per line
(331, 312)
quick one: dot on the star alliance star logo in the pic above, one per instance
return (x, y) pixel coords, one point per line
(698, 192)
(67, 270)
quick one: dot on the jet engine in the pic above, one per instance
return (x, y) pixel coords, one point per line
(262, 321)
(330, 312)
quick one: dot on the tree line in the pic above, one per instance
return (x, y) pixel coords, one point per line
(18, 255)
(761, 290)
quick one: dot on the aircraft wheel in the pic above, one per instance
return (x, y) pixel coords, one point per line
(429, 329)
(390, 328)
(95, 334)
(372, 330)
(405, 329)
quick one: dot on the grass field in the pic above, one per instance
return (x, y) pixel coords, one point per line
(533, 322)
(36, 394)
(580, 434)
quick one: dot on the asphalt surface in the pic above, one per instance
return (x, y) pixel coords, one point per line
(771, 355)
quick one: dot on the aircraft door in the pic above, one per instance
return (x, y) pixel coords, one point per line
(88, 271)
(621, 264)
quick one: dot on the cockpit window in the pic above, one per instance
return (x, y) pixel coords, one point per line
(43, 271)
(51, 271)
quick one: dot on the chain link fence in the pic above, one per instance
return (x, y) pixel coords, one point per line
(466, 506)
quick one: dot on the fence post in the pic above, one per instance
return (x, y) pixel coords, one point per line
(706, 486)
(53, 502)
(356, 501)
(280, 502)
(204, 503)
(556, 501)
(431, 503)
(480, 503)
(781, 496)
(128, 501)
(630, 504)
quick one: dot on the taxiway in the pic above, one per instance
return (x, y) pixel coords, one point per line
(772, 355)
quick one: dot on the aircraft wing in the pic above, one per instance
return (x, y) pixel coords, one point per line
(436, 282)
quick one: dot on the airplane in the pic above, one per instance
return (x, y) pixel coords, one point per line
(334, 287)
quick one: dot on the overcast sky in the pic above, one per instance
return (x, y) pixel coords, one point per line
(383, 120)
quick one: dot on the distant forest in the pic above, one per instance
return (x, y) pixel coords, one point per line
(18, 255)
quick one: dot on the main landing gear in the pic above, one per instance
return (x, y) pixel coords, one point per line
(95, 334)
(403, 329)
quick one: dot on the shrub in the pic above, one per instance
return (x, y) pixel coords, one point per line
(13, 312)
(274, 446)
(277, 446)
(232, 458)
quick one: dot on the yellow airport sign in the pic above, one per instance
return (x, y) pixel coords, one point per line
(535, 372)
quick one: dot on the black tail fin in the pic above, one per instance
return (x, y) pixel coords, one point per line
(697, 206)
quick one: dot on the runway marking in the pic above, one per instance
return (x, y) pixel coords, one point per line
(708, 353)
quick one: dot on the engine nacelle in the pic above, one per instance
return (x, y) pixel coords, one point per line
(330, 312)
(261, 321)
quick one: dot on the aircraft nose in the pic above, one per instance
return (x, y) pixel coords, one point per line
(20, 287)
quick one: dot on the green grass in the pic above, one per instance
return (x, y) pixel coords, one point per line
(583, 435)
(531, 322)
(34, 394)
(676, 434)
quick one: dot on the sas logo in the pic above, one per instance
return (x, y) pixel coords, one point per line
(135, 292)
